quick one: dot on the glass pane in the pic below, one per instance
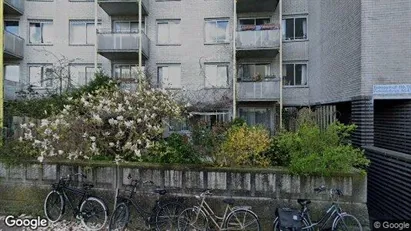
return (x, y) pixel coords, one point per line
(159, 76)
(247, 21)
(174, 76)
(89, 74)
(77, 33)
(165, 77)
(211, 75)
(125, 72)
(122, 26)
(117, 73)
(262, 69)
(210, 31)
(283, 28)
(12, 73)
(134, 27)
(77, 76)
(247, 72)
(289, 74)
(262, 21)
(289, 29)
(48, 77)
(91, 33)
(48, 32)
(175, 32)
(12, 27)
(222, 31)
(163, 33)
(298, 70)
(222, 79)
(35, 33)
(35, 76)
(300, 28)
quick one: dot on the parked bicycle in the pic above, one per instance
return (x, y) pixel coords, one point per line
(202, 217)
(333, 218)
(91, 210)
(163, 216)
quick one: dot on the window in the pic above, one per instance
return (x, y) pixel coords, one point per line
(216, 31)
(126, 71)
(12, 73)
(168, 32)
(254, 21)
(41, 76)
(169, 76)
(216, 75)
(81, 75)
(254, 72)
(12, 27)
(210, 119)
(257, 116)
(294, 28)
(295, 74)
(82, 32)
(41, 32)
(128, 26)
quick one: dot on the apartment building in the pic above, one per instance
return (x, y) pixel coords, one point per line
(348, 59)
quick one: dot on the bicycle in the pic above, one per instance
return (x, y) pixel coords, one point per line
(91, 210)
(234, 218)
(340, 220)
(163, 215)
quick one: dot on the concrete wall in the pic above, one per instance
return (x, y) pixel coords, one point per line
(25, 186)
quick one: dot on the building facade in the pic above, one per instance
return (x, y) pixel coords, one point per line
(349, 60)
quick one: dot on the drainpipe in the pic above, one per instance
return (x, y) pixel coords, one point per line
(234, 60)
(95, 39)
(281, 64)
(140, 37)
(2, 74)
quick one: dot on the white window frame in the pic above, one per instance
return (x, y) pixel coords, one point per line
(44, 68)
(253, 18)
(208, 84)
(169, 42)
(168, 85)
(216, 20)
(241, 74)
(41, 28)
(130, 67)
(298, 63)
(284, 30)
(86, 77)
(85, 22)
(144, 28)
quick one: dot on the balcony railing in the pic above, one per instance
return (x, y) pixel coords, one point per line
(14, 7)
(122, 42)
(13, 46)
(267, 90)
(123, 7)
(258, 39)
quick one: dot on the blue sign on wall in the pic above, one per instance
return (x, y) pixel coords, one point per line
(392, 89)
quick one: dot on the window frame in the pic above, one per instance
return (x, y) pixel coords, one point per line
(85, 66)
(144, 28)
(41, 21)
(240, 67)
(121, 78)
(284, 32)
(216, 20)
(160, 83)
(86, 22)
(44, 66)
(167, 21)
(294, 65)
(225, 64)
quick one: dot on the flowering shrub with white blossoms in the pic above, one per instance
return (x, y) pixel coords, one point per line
(109, 122)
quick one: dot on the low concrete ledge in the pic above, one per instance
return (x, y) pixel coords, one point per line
(264, 189)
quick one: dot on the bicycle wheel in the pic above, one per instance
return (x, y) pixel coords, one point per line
(119, 218)
(167, 216)
(192, 219)
(305, 225)
(53, 206)
(346, 222)
(93, 213)
(242, 219)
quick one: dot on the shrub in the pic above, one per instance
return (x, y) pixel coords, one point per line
(175, 149)
(316, 152)
(244, 145)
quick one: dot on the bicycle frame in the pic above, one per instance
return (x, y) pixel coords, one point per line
(78, 192)
(209, 213)
(332, 213)
(142, 212)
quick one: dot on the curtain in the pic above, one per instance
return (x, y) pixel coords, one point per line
(304, 74)
(35, 33)
(47, 32)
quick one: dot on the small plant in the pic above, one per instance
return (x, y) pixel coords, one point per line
(244, 146)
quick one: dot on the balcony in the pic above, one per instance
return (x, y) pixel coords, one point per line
(259, 42)
(122, 46)
(13, 7)
(123, 7)
(250, 6)
(266, 90)
(13, 46)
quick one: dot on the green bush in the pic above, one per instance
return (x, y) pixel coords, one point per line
(13, 151)
(244, 146)
(315, 152)
(176, 149)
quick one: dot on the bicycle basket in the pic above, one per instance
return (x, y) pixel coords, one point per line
(289, 219)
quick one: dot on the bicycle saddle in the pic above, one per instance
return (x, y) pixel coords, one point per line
(229, 201)
(303, 202)
(160, 191)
